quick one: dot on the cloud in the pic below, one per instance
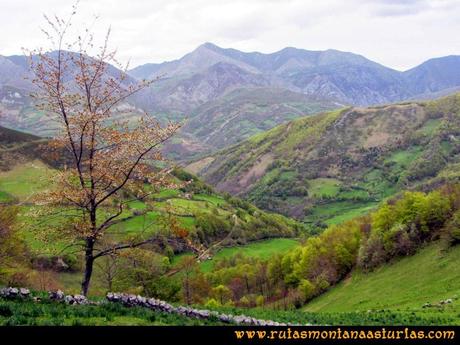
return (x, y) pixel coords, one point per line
(398, 33)
(400, 8)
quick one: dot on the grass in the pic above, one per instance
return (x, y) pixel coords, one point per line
(47, 313)
(339, 211)
(145, 224)
(374, 181)
(262, 250)
(213, 199)
(71, 282)
(351, 318)
(26, 179)
(167, 193)
(430, 126)
(350, 212)
(429, 276)
(405, 157)
(5, 197)
(324, 187)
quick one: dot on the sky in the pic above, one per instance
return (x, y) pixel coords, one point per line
(396, 33)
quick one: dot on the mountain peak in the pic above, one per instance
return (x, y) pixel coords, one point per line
(208, 46)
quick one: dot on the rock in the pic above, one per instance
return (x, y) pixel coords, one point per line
(24, 292)
(80, 299)
(159, 305)
(12, 292)
(69, 299)
(205, 314)
(152, 302)
(56, 295)
(224, 318)
(75, 299)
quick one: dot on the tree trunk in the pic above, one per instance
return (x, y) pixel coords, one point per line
(187, 290)
(89, 261)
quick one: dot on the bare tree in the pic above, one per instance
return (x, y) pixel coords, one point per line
(108, 157)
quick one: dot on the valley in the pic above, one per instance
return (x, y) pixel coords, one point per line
(251, 255)
(303, 186)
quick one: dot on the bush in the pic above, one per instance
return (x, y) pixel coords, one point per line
(307, 289)
(212, 304)
(453, 230)
(428, 165)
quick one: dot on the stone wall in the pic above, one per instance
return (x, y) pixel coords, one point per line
(128, 300)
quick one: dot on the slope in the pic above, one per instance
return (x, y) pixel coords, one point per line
(200, 89)
(203, 216)
(17, 147)
(330, 74)
(247, 111)
(333, 166)
(17, 106)
(430, 276)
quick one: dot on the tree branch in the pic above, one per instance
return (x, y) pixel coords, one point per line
(123, 246)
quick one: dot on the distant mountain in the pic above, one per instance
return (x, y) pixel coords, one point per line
(186, 93)
(226, 95)
(203, 57)
(246, 111)
(434, 75)
(339, 164)
(16, 107)
(335, 75)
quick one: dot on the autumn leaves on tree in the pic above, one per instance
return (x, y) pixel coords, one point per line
(109, 162)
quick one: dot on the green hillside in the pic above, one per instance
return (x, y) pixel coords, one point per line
(261, 250)
(192, 219)
(23, 180)
(331, 167)
(430, 276)
(196, 208)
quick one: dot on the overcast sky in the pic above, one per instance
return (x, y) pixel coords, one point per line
(397, 33)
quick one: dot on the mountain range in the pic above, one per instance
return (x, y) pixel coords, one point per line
(225, 95)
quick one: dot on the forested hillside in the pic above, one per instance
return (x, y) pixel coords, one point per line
(330, 167)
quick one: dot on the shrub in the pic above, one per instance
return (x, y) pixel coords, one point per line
(212, 304)
(307, 289)
(453, 229)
